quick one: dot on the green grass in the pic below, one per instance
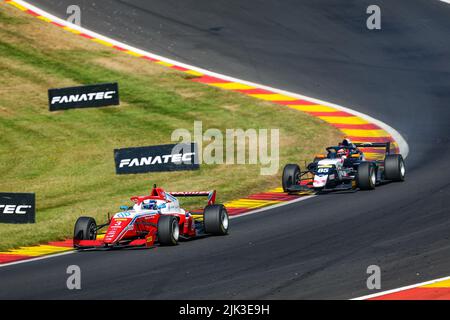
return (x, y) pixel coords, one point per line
(66, 158)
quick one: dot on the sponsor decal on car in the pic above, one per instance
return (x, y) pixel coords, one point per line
(90, 96)
(123, 214)
(17, 208)
(156, 159)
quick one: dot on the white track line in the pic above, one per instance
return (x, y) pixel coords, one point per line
(36, 259)
(446, 1)
(403, 145)
(278, 205)
(375, 295)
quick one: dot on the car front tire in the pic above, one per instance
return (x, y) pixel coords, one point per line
(291, 176)
(85, 229)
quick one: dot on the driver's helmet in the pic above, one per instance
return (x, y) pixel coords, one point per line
(347, 143)
(149, 205)
(341, 153)
(153, 204)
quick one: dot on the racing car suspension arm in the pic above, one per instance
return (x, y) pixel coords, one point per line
(102, 226)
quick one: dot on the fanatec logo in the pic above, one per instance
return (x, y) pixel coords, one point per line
(13, 209)
(17, 207)
(107, 95)
(161, 158)
(149, 161)
(87, 96)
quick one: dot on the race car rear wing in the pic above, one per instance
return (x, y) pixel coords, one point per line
(189, 194)
(386, 145)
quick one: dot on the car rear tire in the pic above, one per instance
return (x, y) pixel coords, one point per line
(168, 230)
(394, 167)
(291, 176)
(85, 229)
(216, 220)
(366, 177)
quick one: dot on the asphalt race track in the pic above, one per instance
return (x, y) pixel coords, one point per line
(314, 249)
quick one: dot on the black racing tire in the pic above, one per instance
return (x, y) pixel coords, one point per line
(216, 220)
(366, 177)
(291, 176)
(85, 229)
(394, 168)
(168, 230)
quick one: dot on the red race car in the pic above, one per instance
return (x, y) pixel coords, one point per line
(157, 217)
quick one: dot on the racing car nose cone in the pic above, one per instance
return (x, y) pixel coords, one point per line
(319, 182)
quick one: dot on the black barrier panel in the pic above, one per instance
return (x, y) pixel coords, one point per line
(98, 95)
(171, 157)
(17, 208)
